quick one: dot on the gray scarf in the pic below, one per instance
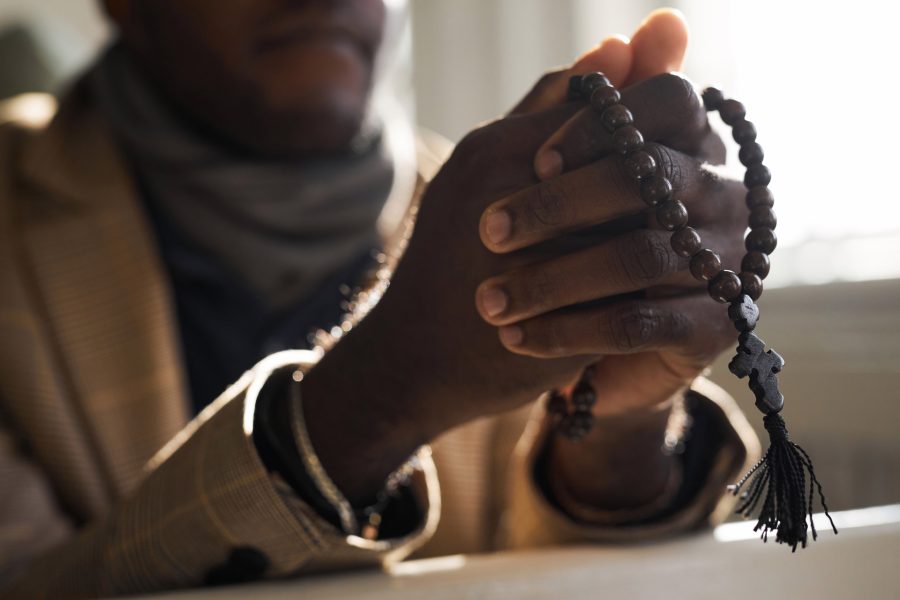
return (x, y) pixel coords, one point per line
(280, 226)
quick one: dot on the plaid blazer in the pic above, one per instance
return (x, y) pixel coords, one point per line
(108, 487)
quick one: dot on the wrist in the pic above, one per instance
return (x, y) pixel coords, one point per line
(357, 409)
(620, 464)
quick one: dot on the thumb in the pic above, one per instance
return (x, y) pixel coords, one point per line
(658, 45)
(612, 56)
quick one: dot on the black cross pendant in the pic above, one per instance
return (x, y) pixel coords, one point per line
(762, 366)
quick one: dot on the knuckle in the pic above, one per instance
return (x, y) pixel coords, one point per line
(468, 142)
(669, 164)
(633, 326)
(621, 182)
(644, 258)
(677, 326)
(547, 206)
(540, 291)
(720, 205)
(687, 112)
(476, 148)
(685, 98)
(545, 341)
(712, 180)
(548, 79)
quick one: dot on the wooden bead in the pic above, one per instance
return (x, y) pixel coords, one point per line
(756, 262)
(750, 154)
(556, 404)
(640, 164)
(757, 175)
(732, 112)
(762, 216)
(671, 215)
(762, 239)
(603, 97)
(705, 265)
(725, 287)
(686, 242)
(744, 132)
(759, 196)
(592, 81)
(751, 284)
(627, 139)
(583, 420)
(577, 425)
(712, 98)
(616, 116)
(655, 190)
(583, 396)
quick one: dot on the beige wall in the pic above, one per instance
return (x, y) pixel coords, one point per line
(69, 30)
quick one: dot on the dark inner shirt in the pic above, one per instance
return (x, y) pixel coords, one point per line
(224, 327)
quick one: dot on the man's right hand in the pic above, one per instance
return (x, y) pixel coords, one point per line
(424, 360)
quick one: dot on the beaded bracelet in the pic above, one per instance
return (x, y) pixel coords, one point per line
(365, 522)
(779, 479)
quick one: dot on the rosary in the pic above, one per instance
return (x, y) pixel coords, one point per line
(777, 484)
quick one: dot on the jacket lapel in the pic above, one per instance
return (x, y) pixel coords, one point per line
(105, 296)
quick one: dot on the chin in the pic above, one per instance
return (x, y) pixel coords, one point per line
(308, 112)
(323, 127)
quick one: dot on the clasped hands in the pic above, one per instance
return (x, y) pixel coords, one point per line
(533, 257)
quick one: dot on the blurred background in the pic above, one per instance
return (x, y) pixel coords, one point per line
(817, 79)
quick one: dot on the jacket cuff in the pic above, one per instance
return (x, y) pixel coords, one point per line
(336, 548)
(219, 495)
(720, 445)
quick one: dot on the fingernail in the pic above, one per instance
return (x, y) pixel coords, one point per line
(511, 335)
(494, 301)
(548, 164)
(498, 226)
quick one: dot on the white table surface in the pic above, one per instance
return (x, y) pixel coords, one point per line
(863, 562)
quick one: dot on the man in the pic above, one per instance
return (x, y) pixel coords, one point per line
(197, 202)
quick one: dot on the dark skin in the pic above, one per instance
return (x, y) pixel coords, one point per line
(271, 77)
(434, 354)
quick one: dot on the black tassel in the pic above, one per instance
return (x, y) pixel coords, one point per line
(779, 481)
